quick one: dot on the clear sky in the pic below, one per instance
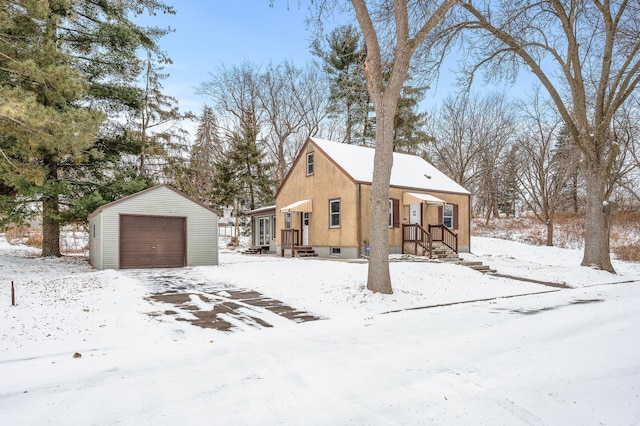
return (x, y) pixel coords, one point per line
(209, 33)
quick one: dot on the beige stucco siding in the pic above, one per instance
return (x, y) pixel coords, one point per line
(330, 181)
(430, 216)
(201, 223)
(326, 183)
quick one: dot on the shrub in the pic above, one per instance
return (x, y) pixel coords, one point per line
(627, 252)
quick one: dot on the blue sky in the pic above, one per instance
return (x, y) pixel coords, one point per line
(209, 33)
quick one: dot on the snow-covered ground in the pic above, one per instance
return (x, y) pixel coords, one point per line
(553, 356)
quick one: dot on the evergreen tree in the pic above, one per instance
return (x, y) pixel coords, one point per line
(343, 59)
(409, 129)
(155, 125)
(206, 152)
(242, 178)
(63, 66)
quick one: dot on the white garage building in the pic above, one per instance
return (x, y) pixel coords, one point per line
(159, 227)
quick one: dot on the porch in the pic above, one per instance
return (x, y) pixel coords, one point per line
(434, 241)
(290, 240)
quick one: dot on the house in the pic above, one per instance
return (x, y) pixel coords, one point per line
(263, 226)
(159, 227)
(323, 205)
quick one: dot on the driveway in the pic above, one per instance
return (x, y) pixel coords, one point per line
(186, 295)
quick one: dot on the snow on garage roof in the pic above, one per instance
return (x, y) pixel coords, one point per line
(409, 171)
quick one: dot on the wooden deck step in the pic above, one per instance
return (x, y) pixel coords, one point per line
(304, 251)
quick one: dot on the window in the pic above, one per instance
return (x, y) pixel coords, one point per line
(310, 163)
(287, 220)
(273, 226)
(335, 251)
(394, 213)
(447, 215)
(334, 213)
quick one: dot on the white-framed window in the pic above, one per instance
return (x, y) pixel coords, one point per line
(334, 213)
(309, 163)
(447, 215)
(335, 251)
(394, 213)
(287, 220)
(273, 226)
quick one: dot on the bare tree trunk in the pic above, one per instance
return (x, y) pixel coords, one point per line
(597, 222)
(574, 191)
(549, 232)
(384, 94)
(379, 278)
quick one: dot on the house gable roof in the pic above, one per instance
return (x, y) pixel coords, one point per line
(145, 191)
(408, 171)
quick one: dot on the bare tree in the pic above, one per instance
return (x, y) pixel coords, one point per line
(544, 170)
(393, 32)
(624, 179)
(289, 96)
(235, 95)
(471, 136)
(409, 23)
(286, 102)
(595, 48)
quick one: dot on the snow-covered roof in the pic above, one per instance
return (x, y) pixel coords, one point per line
(409, 171)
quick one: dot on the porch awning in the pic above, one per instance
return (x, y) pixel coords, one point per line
(298, 206)
(417, 198)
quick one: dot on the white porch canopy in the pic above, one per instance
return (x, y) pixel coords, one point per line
(298, 206)
(417, 198)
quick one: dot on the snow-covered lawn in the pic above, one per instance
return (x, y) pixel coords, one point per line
(569, 356)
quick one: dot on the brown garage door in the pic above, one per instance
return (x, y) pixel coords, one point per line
(152, 242)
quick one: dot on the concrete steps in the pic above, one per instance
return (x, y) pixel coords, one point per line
(445, 254)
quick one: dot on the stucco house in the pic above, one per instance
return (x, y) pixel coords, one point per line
(323, 204)
(159, 227)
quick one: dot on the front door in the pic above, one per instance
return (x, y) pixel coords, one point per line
(415, 216)
(263, 231)
(305, 229)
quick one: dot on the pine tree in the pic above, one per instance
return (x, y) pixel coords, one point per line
(155, 125)
(206, 152)
(63, 65)
(343, 59)
(242, 177)
(409, 128)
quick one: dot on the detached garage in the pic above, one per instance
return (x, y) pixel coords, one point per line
(159, 227)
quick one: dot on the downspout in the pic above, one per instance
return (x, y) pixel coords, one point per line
(359, 220)
(101, 242)
(469, 220)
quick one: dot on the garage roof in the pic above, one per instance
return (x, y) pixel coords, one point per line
(137, 194)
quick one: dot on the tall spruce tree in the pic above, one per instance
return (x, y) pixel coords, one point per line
(242, 177)
(206, 152)
(409, 133)
(156, 125)
(63, 66)
(343, 59)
